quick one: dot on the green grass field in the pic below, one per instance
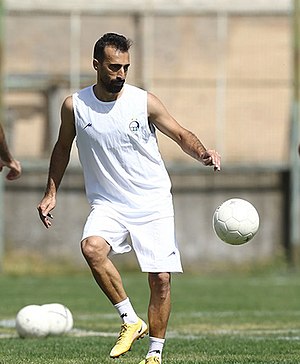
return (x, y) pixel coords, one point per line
(231, 318)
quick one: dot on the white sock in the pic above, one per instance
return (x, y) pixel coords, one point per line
(126, 312)
(155, 347)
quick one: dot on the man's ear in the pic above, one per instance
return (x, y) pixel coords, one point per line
(95, 64)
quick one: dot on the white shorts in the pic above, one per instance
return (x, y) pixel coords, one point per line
(154, 241)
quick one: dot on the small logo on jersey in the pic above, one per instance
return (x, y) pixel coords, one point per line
(89, 124)
(134, 126)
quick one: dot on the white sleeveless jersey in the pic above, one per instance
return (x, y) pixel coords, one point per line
(118, 151)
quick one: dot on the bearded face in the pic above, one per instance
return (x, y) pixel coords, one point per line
(112, 71)
(113, 86)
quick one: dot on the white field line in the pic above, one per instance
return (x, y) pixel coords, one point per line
(255, 334)
(81, 332)
(10, 323)
(191, 314)
(258, 313)
(241, 336)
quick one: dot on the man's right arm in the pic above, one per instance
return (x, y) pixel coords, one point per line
(59, 160)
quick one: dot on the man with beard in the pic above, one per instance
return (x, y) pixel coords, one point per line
(127, 186)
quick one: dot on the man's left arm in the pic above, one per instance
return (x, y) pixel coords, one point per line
(188, 141)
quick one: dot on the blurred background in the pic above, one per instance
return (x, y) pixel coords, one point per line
(225, 69)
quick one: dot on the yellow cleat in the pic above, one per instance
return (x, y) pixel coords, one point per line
(128, 334)
(151, 360)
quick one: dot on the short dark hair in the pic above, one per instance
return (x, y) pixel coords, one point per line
(118, 41)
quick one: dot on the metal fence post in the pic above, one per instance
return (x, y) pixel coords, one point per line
(294, 213)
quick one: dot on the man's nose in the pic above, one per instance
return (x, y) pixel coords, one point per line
(121, 72)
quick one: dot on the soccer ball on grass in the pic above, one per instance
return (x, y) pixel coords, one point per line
(43, 320)
(236, 221)
(30, 322)
(59, 318)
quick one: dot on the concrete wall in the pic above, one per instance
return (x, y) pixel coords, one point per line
(197, 192)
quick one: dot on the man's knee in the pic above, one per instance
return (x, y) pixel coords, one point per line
(160, 283)
(94, 247)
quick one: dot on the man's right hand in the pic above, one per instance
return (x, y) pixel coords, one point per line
(45, 206)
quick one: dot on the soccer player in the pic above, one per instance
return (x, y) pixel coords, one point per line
(127, 186)
(6, 159)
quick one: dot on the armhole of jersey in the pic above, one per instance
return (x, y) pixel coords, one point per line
(151, 126)
(74, 112)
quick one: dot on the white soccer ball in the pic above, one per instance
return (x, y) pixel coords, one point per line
(31, 322)
(236, 221)
(59, 317)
